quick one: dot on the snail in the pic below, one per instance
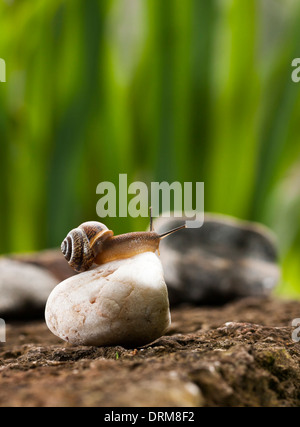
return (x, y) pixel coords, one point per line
(122, 301)
(92, 242)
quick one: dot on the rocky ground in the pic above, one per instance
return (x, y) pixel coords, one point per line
(239, 355)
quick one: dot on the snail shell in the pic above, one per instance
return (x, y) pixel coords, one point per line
(82, 244)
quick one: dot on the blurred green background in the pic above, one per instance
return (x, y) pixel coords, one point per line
(174, 90)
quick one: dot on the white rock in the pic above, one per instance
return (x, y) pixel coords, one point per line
(119, 303)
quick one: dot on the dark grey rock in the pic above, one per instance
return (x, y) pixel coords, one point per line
(224, 260)
(51, 259)
(24, 289)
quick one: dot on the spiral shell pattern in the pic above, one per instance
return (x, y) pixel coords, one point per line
(81, 244)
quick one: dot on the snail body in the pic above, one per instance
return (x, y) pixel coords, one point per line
(124, 300)
(127, 245)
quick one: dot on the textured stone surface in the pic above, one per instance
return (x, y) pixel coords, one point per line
(221, 261)
(121, 302)
(24, 288)
(26, 280)
(241, 354)
(51, 260)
